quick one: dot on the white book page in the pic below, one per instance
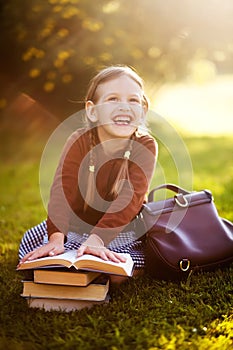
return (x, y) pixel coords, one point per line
(96, 258)
(71, 255)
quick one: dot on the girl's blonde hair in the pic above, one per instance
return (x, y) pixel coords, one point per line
(110, 73)
(103, 76)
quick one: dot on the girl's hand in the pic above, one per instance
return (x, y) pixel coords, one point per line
(55, 246)
(94, 246)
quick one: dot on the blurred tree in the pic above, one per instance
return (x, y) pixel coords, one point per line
(51, 48)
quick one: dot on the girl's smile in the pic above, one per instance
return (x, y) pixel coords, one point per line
(122, 119)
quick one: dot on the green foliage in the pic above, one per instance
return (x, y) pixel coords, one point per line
(142, 314)
(53, 46)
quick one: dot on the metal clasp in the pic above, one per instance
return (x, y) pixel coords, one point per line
(185, 204)
(185, 264)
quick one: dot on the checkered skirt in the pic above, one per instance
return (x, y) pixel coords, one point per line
(125, 242)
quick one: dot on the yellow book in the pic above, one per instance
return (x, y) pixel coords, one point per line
(85, 262)
(64, 276)
(95, 291)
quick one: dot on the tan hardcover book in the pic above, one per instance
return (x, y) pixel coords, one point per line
(64, 276)
(66, 305)
(85, 262)
(95, 291)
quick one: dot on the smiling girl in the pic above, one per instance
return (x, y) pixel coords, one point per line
(102, 177)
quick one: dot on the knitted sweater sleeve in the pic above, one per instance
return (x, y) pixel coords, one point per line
(63, 193)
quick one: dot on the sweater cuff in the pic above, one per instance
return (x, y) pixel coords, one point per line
(93, 241)
(107, 235)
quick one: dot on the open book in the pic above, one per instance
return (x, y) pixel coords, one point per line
(85, 262)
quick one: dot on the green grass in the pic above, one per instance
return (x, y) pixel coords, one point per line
(144, 313)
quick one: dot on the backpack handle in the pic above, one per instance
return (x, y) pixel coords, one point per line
(171, 187)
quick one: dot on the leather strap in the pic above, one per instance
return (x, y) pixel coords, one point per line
(171, 187)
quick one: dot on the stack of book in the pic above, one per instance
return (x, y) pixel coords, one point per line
(65, 282)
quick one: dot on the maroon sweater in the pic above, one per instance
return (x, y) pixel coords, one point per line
(106, 216)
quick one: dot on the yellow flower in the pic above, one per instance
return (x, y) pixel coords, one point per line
(63, 55)
(108, 41)
(67, 78)
(26, 56)
(58, 63)
(92, 25)
(45, 32)
(57, 8)
(3, 103)
(89, 60)
(154, 52)
(49, 86)
(136, 53)
(39, 54)
(62, 33)
(111, 7)
(106, 56)
(34, 73)
(70, 12)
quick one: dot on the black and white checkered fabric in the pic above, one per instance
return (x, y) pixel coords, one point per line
(125, 242)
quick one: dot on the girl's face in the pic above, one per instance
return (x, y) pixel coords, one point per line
(118, 109)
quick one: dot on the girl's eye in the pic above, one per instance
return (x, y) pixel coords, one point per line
(112, 98)
(135, 100)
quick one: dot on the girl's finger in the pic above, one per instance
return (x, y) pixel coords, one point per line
(116, 257)
(52, 252)
(56, 251)
(103, 255)
(120, 257)
(40, 252)
(29, 256)
(81, 250)
(111, 256)
(35, 255)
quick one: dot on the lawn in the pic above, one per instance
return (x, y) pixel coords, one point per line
(144, 313)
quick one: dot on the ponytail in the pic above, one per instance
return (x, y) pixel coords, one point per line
(123, 173)
(89, 197)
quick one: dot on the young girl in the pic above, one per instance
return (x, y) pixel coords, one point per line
(102, 177)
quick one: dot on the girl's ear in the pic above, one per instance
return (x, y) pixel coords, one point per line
(144, 112)
(90, 111)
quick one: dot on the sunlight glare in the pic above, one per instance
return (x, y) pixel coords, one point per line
(203, 109)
